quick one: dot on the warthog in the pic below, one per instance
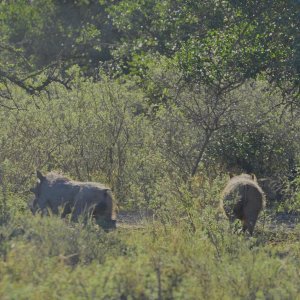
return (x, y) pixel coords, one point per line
(243, 199)
(62, 195)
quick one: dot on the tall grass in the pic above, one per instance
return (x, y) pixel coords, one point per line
(49, 258)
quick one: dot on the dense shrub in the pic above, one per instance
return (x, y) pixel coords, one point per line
(182, 92)
(49, 258)
(109, 131)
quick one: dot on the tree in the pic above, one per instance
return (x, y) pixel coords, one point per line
(219, 43)
(40, 40)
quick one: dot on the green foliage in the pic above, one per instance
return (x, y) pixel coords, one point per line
(49, 258)
(262, 137)
(219, 43)
(292, 201)
(187, 91)
(92, 132)
(249, 129)
(53, 237)
(45, 30)
(245, 46)
(47, 37)
(112, 132)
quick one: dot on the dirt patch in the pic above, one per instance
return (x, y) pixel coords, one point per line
(283, 219)
(138, 219)
(134, 219)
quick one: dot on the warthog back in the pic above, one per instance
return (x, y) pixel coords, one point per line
(243, 199)
(87, 199)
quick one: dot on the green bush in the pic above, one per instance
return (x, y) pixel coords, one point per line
(159, 261)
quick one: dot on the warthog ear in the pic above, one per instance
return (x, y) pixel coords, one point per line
(253, 177)
(231, 175)
(40, 176)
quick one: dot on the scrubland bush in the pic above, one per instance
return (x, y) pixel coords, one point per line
(263, 135)
(252, 128)
(89, 133)
(49, 258)
(110, 131)
(187, 91)
(169, 157)
(291, 202)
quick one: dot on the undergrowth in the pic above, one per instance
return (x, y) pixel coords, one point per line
(50, 258)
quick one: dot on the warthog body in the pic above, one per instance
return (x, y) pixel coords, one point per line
(243, 199)
(62, 195)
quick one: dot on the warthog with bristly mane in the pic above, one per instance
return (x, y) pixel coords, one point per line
(59, 194)
(243, 199)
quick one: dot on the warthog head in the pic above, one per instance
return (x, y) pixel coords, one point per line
(34, 205)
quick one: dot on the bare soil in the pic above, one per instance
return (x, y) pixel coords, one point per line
(138, 219)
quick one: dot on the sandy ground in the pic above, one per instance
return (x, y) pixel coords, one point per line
(133, 219)
(138, 219)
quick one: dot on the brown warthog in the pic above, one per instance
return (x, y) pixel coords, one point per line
(243, 199)
(62, 195)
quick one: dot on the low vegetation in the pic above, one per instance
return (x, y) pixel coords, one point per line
(107, 132)
(50, 258)
(159, 101)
